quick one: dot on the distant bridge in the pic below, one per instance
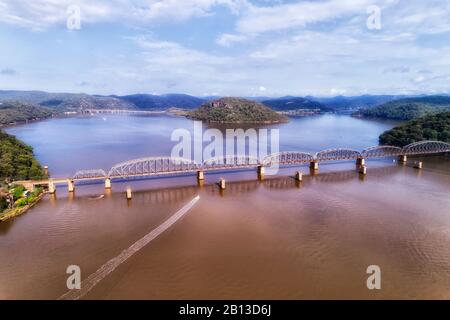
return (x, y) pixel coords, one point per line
(155, 166)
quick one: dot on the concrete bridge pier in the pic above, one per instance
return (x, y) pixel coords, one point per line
(362, 170)
(298, 176)
(261, 172)
(360, 161)
(418, 164)
(70, 185)
(200, 175)
(129, 193)
(222, 184)
(107, 183)
(51, 188)
(402, 159)
(314, 165)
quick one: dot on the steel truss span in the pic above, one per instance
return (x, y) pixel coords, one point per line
(337, 154)
(287, 158)
(90, 174)
(152, 166)
(426, 147)
(227, 162)
(381, 151)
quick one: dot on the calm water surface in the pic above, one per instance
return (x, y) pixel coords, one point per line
(272, 239)
(71, 144)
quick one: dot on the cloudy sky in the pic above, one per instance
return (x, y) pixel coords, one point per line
(226, 47)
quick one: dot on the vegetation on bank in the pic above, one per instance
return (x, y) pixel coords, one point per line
(430, 127)
(236, 110)
(407, 109)
(12, 112)
(15, 200)
(17, 161)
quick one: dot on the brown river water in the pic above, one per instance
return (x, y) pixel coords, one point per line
(271, 239)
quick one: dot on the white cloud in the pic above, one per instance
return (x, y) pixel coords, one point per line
(227, 39)
(262, 19)
(41, 14)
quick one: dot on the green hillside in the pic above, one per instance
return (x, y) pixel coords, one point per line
(16, 112)
(407, 109)
(17, 161)
(430, 127)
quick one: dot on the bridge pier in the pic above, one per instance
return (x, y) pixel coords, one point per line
(418, 164)
(70, 185)
(222, 185)
(314, 165)
(107, 183)
(261, 172)
(360, 161)
(299, 176)
(51, 188)
(129, 193)
(402, 159)
(362, 170)
(200, 175)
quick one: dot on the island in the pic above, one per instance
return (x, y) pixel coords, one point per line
(430, 127)
(236, 110)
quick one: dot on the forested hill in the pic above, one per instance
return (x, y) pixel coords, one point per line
(163, 102)
(295, 103)
(15, 112)
(431, 127)
(409, 108)
(236, 110)
(17, 161)
(62, 102)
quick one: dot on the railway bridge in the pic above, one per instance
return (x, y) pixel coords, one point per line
(159, 166)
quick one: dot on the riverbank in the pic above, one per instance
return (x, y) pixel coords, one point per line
(15, 212)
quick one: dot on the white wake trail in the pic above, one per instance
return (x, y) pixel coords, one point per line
(112, 264)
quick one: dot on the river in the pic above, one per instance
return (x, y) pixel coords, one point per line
(271, 239)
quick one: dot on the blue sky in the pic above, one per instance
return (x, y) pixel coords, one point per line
(226, 47)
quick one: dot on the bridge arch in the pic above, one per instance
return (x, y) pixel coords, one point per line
(424, 147)
(152, 166)
(381, 151)
(287, 158)
(337, 154)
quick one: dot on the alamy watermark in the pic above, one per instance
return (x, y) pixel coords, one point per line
(373, 21)
(74, 17)
(74, 280)
(251, 145)
(374, 280)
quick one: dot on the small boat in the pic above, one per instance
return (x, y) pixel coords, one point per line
(97, 198)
